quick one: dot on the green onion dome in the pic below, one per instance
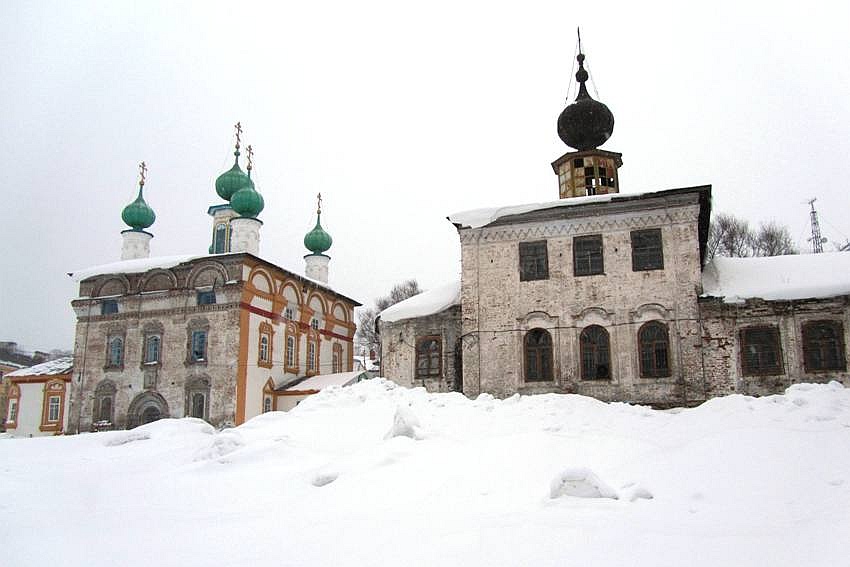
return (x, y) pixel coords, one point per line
(138, 214)
(247, 202)
(317, 240)
(232, 180)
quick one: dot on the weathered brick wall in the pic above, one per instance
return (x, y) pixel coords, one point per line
(498, 309)
(721, 326)
(398, 349)
(174, 312)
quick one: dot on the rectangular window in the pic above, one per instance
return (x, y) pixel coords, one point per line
(311, 356)
(109, 307)
(647, 251)
(199, 346)
(13, 411)
(264, 348)
(152, 344)
(578, 162)
(533, 261)
(587, 255)
(287, 314)
(206, 298)
(53, 408)
(761, 353)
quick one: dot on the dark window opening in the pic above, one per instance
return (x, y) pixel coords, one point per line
(533, 261)
(109, 307)
(587, 255)
(220, 239)
(647, 251)
(199, 404)
(538, 356)
(429, 354)
(199, 346)
(654, 348)
(823, 346)
(116, 352)
(206, 298)
(595, 354)
(578, 162)
(761, 353)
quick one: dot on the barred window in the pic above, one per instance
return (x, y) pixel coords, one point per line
(533, 261)
(429, 354)
(654, 348)
(761, 353)
(538, 356)
(647, 250)
(595, 353)
(823, 346)
(587, 255)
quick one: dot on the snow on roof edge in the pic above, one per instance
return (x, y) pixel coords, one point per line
(50, 368)
(426, 303)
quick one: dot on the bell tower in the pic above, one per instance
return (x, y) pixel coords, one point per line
(585, 125)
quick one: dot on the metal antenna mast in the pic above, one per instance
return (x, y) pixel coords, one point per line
(817, 240)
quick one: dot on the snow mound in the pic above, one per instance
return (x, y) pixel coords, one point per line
(223, 444)
(632, 492)
(405, 424)
(324, 478)
(580, 482)
(126, 437)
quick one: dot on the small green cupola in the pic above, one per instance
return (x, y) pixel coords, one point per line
(247, 201)
(317, 240)
(234, 179)
(138, 215)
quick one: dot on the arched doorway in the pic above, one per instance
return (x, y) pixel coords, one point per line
(147, 407)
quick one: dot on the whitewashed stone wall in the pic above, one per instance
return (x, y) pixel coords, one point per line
(498, 309)
(398, 349)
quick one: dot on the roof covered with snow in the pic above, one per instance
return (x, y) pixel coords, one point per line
(426, 303)
(50, 368)
(133, 266)
(478, 218)
(327, 380)
(778, 277)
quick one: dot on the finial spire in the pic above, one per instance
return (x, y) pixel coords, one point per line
(319, 205)
(143, 169)
(250, 165)
(238, 134)
(581, 74)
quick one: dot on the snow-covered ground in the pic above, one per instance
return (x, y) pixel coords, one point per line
(375, 474)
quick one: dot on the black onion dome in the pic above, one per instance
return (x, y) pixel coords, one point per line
(586, 123)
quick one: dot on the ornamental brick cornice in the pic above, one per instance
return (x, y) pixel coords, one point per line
(588, 225)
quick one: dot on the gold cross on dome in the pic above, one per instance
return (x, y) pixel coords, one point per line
(250, 157)
(238, 133)
(143, 169)
(319, 207)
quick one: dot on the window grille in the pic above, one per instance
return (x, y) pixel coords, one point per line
(654, 347)
(761, 353)
(587, 255)
(647, 250)
(538, 356)
(595, 354)
(533, 261)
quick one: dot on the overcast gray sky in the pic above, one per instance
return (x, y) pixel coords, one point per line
(400, 114)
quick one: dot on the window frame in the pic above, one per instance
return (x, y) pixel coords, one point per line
(111, 361)
(53, 389)
(312, 357)
(205, 297)
(265, 350)
(543, 356)
(109, 307)
(643, 259)
(533, 260)
(746, 340)
(655, 370)
(588, 256)
(193, 334)
(146, 358)
(592, 351)
(821, 346)
(432, 359)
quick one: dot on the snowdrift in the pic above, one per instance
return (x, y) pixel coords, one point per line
(375, 474)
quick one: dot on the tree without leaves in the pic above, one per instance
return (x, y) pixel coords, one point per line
(367, 336)
(773, 239)
(733, 237)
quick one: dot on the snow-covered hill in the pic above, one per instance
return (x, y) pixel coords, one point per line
(375, 474)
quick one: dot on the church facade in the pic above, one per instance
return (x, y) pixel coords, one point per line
(609, 295)
(218, 336)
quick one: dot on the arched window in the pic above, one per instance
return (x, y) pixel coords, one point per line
(197, 397)
(264, 355)
(595, 354)
(823, 346)
(761, 352)
(104, 412)
(267, 404)
(429, 355)
(152, 349)
(116, 352)
(104, 396)
(654, 348)
(199, 404)
(538, 356)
